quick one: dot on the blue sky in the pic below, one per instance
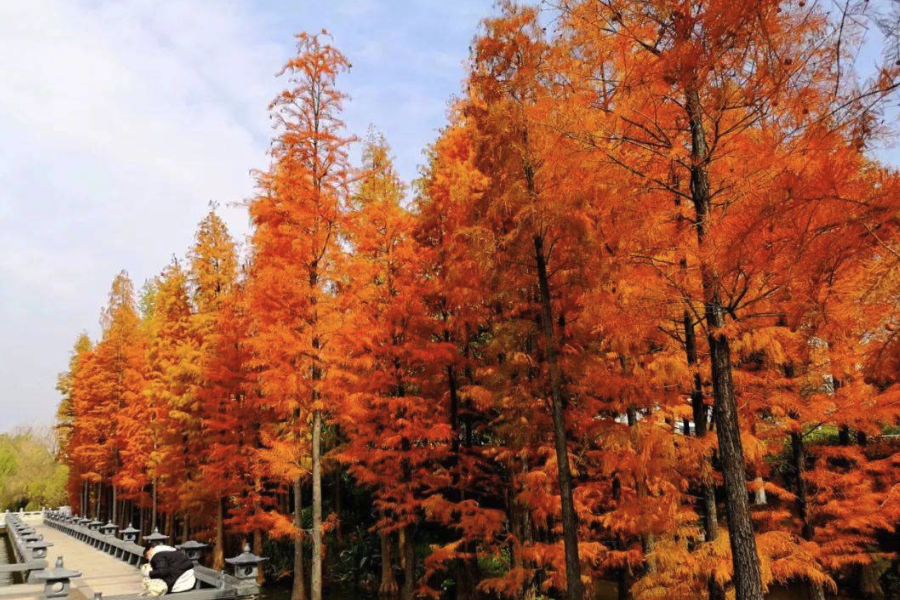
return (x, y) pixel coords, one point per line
(121, 119)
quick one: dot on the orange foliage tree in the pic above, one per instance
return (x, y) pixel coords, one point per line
(636, 328)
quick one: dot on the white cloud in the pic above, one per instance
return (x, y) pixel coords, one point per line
(121, 119)
(118, 122)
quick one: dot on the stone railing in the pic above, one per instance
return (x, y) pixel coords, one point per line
(29, 548)
(211, 584)
(31, 516)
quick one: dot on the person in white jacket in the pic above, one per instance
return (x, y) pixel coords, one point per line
(168, 571)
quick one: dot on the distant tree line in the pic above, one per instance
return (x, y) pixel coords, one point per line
(30, 476)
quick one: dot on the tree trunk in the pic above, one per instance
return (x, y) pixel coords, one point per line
(338, 536)
(798, 454)
(388, 589)
(623, 586)
(698, 409)
(844, 435)
(465, 577)
(454, 408)
(298, 592)
(153, 513)
(647, 539)
(408, 550)
(258, 550)
(569, 517)
(219, 549)
(798, 451)
(747, 577)
(316, 581)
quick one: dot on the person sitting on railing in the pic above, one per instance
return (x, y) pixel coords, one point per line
(169, 571)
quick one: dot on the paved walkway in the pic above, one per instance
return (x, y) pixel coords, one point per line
(100, 571)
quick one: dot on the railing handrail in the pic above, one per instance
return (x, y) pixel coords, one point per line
(222, 586)
(26, 560)
(128, 551)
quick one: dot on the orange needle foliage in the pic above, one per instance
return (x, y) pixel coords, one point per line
(633, 332)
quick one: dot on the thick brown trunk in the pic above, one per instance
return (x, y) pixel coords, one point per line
(388, 589)
(569, 517)
(316, 576)
(298, 592)
(219, 548)
(747, 577)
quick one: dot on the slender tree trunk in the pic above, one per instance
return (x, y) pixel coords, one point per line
(153, 513)
(648, 542)
(258, 550)
(219, 548)
(112, 518)
(316, 581)
(338, 536)
(465, 568)
(408, 550)
(454, 409)
(747, 577)
(298, 592)
(569, 517)
(798, 454)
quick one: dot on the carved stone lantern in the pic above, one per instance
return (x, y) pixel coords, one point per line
(130, 534)
(155, 538)
(193, 550)
(246, 564)
(109, 529)
(57, 580)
